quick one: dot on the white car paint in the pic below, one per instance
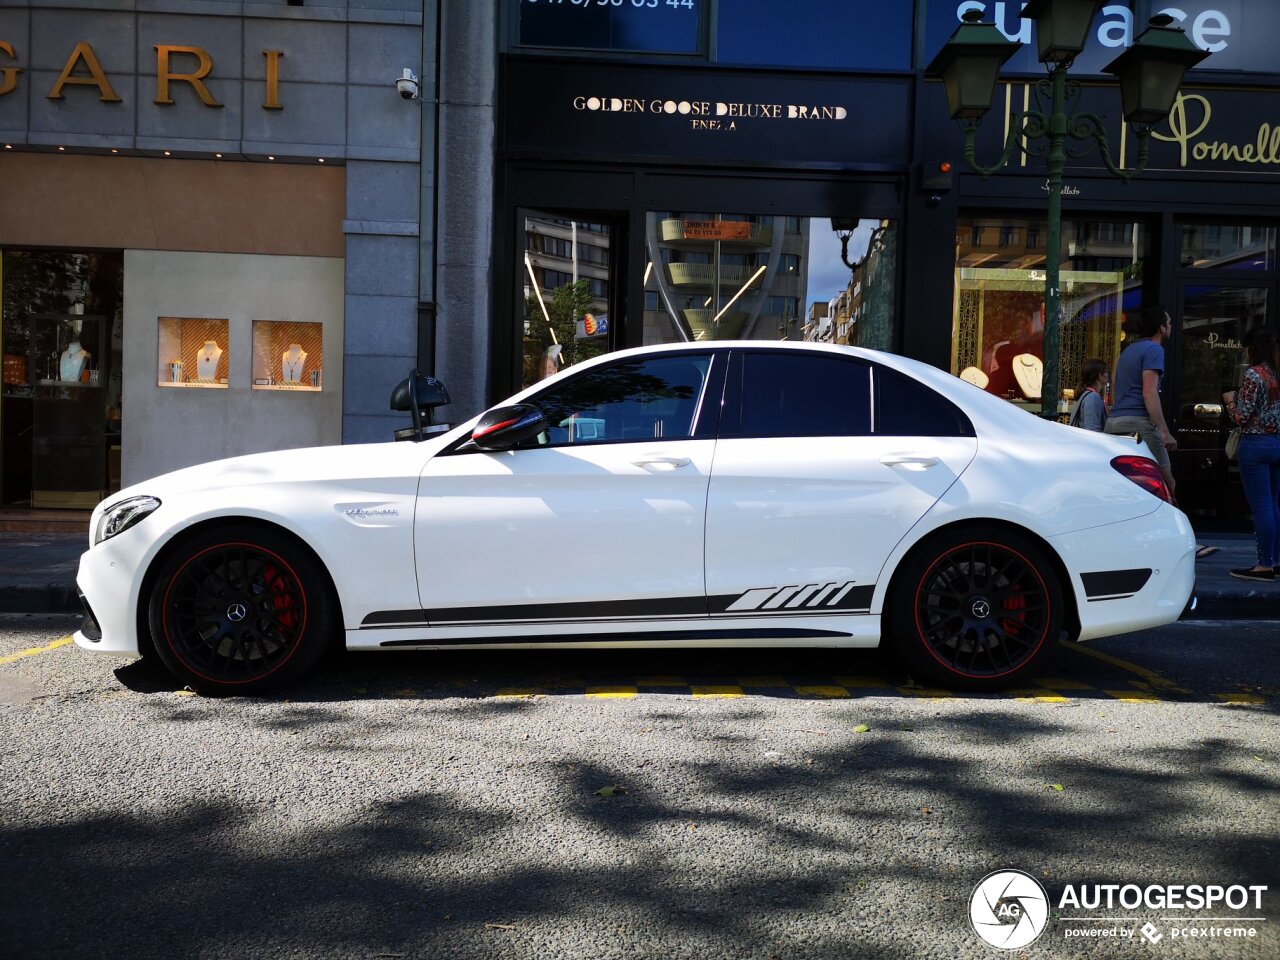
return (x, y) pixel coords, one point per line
(537, 524)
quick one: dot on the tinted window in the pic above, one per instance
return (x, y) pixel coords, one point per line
(642, 399)
(905, 408)
(652, 26)
(803, 395)
(816, 33)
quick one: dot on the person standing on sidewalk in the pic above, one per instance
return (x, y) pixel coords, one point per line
(1135, 407)
(1255, 409)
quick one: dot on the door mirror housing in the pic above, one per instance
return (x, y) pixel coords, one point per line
(503, 427)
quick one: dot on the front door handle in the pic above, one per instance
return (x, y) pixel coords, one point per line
(909, 460)
(663, 463)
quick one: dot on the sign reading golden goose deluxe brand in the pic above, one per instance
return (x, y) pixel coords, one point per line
(622, 110)
(712, 115)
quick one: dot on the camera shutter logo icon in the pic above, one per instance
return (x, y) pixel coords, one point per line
(1009, 909)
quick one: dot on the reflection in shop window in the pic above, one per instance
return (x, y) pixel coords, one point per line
(566, 294)
(1228, 247)
(998, 322)
(736, 276)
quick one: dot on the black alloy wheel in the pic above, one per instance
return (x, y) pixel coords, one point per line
(978, 610)
(239, 610)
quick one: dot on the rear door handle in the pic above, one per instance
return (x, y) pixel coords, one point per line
(663, 463)
(908, 460)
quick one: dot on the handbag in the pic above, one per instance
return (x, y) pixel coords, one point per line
(1233, 443)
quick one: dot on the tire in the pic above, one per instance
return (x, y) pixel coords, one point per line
(977, 609)
(240, 609)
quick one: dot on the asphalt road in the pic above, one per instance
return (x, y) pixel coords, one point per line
(766, 804)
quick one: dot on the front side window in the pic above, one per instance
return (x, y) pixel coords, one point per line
(794, 394)
(642, 399)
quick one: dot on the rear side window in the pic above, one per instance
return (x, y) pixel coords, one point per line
(907, 408)
(793, 394)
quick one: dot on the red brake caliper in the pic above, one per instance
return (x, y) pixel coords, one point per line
(281, 599)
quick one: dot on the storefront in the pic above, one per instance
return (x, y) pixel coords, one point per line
(694, 170)
(209, 234)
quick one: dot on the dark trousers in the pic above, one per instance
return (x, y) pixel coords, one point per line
(1260, 475)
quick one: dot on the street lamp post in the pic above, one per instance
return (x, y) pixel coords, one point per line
(1149, 72)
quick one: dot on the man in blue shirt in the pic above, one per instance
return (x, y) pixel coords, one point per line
(1136, 408)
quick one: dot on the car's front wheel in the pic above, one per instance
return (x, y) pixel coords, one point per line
(977, 609)
(239, 609)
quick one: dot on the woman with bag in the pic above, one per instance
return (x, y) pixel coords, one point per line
(1090, 411)
(1255, 409)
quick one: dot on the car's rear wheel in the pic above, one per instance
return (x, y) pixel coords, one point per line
(977, 609)
(240, 609)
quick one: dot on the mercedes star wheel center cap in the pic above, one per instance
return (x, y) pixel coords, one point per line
(980, 608)
(237, 612)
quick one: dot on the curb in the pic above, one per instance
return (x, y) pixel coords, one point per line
(49, 598)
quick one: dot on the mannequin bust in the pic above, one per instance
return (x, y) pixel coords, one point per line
(207, 358)
(72, 362)
(291, 362)
(1028, 371)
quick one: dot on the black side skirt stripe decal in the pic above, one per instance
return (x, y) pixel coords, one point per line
(792, 600)
(728, 633)
(1114, 584)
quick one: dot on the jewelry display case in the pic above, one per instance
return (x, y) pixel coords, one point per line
(193, 353)
(288, 355)
(67, 447)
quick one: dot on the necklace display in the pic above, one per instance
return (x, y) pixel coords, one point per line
(72, 362)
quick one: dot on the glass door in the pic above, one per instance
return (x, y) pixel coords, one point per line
(1214, 319)
(569, 279)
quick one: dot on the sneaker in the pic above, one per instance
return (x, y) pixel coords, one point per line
(1247, 573)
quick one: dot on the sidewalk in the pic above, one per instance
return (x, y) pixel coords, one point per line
(37, 575)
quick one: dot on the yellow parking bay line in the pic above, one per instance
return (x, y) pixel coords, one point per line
(822, 692)
(519, 692)
(1156, 681)
(925, 693)
(1242, 698)
(1038, 696)
(861, 682)
(615, 692)
(716, 692)
(1133, 696)
(34, 650)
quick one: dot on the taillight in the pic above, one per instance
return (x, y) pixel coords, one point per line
(1145, 473)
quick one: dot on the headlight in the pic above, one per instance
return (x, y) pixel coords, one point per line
(122, 516)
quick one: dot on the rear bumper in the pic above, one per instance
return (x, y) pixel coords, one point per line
(1132, 575)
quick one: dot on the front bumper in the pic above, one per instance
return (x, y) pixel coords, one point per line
(110, 585)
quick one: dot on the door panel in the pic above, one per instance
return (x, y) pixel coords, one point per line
(816, 512)
(595, 525)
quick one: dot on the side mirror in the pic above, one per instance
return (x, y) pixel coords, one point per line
(503, 427)
(419, 394)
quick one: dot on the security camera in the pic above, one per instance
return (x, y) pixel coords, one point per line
(407, 85)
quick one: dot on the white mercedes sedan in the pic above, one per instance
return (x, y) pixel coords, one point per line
(717, 494)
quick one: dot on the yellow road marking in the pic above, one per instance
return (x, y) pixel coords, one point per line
(1247, 698)
(716, 692)
(514, 692)
(611, 692)
(1153, 678)
(1132, 696)
(925, 693)
(1061, 683)
(1039, 696)
(34, 650)
(823, 691)
(858, 682)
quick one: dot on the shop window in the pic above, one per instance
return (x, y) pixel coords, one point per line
(998, 326)
(716, 284)
(1228, 247)
(288, 355)
(193, 352)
